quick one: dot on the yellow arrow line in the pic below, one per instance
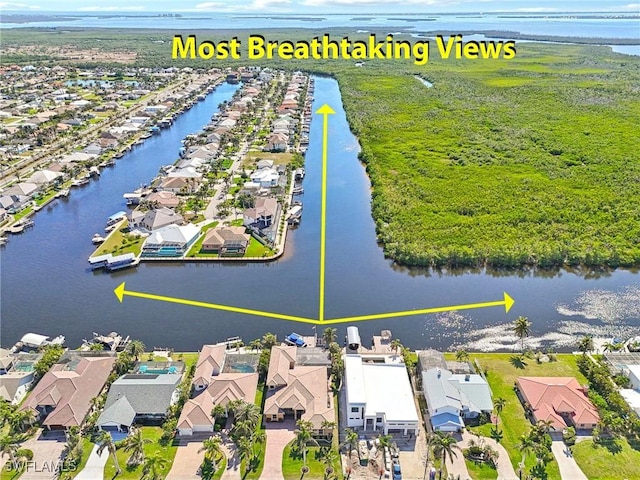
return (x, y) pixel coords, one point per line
(121, 292)
(507, 302)
(325, 110)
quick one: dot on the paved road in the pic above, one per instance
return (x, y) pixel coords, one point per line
(95, 465)
(569, 469)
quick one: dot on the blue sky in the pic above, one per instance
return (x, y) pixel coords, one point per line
(319, 6)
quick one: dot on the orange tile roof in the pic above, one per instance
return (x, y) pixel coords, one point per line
(552, 397)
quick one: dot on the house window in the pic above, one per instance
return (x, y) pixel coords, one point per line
(355, 409)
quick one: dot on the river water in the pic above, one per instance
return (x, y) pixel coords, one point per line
(48, 288)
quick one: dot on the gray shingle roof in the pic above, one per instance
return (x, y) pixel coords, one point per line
(144, 395)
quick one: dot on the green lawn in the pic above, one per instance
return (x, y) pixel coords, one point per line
(610, 461)
(194, 251)
(119, 243)
(22, 213)
(292, 463)
(189, 358)
(256, 249)
(154, 434)
(501, 376)
(10, 474)
(480, 471)
(87, 447)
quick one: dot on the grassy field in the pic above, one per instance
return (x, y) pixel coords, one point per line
(501, 375)
(119, 243)
(154, 434)
(480, 471)
(597, 461)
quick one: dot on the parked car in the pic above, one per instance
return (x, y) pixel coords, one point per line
(397, 474)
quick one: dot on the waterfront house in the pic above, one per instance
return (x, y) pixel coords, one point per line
(277, 142)
(163, 199)
(16, 375)
(160, 217)
(42, 177)
(179, 185)
(297, 391)
(226, 241)
(13, 203)
(560, 400)
(263, 214)
(25, 189)
(93, 149)
(62, 398)
(139, 398)
(212, 387)
(170, 241)
(379, 395)
(265, 177)
(444, 401)
(453, 397)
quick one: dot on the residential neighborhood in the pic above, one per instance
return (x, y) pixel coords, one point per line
(273, 409)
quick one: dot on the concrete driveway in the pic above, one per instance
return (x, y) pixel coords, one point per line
(95, 465)
(569, 469)
(278, 436)
(187, 460)
(47, 447)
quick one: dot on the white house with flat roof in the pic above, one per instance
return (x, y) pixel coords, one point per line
(633, 372)
(379, 395)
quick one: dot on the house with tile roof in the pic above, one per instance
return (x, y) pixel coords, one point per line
(560, 400)
(298, 392)
(211, 386)
(62, 398)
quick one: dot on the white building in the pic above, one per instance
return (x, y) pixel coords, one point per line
(379, 395)
(633, 372)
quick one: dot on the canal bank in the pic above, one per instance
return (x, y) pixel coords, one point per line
(47, 286)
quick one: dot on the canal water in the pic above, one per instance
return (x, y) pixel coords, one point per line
(48, 288)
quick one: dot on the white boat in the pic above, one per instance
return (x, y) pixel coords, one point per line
(94, 171)
(78, 182)
(97, 239)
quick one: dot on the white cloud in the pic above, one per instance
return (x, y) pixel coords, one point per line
(17, 6)
(329, 3)
(536, 9)
(255, 5)
(138, 8)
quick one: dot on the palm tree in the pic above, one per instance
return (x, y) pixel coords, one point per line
(329, 336)
(255, 344)
(462, 355)
(499, 404)
(328, 425)
(135, 444)
(106, 442)
(9, 446)
(245, 411)
(218, 412)
(212, 448)
(444, 446)
(244, 450)
(152, 466)
(269, 340)
(525, 445)
(585, 344)
(542, 427)
(242, 429)
(303, 438)
(395, 345)
(385, 442)
(351, 441)
(522, 328)
(136, 348)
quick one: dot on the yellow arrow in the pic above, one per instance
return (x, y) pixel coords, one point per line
(325, 111)
(121, 292)
(507, 302)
